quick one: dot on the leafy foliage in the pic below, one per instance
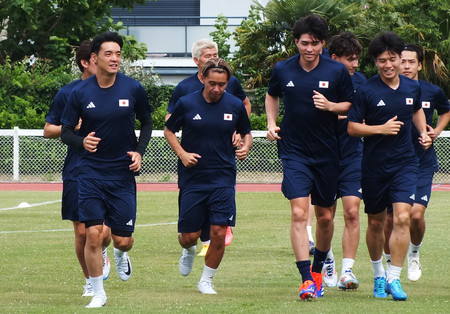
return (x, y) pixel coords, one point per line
(221, 36)
(51, 28)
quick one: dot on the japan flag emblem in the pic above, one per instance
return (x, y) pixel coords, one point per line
(228, 117)
(409, 101)
(425, 104)
(323, 84)
(123, 103)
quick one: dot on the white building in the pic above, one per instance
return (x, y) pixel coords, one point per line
(170, 27)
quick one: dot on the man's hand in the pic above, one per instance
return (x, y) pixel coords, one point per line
(392, 126)
(431, 133)
(236, 139)
(136, 161)
(321, 102)
(90, 142)
(189, 160)
(272, 134)
(425, 141)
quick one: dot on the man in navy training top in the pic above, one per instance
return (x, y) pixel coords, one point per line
(432, 98)
(346, 49)
(383, 112)
(108, 105)
(202, 51)
(314, 89)
(206, 166)
(69, 205)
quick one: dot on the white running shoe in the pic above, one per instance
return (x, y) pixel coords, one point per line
(97, 301)
(414, 269)
(88, 290)
(123, 266)
(106, 264)
(330, 276)
(187, 261)
(206, 287)
(348, 281)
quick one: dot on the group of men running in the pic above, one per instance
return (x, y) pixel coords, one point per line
(328, 108)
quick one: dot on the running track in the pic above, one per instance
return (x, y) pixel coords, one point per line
(241, 187)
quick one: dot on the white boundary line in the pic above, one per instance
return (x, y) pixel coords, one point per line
(31, 205)
(65, 230)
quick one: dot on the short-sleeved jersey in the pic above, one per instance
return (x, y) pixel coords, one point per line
(432, 98)
(375, 103)
(349, 147)
(207, 129)
(307, 133)
(54, 117)
(192, 84)
(111, 113)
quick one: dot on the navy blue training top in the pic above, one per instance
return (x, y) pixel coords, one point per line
(192, 84)
(349, 147)
(207, 129)
(111, 113)
(308, 134)
(54, 117)
(432, 98)
(375, 103)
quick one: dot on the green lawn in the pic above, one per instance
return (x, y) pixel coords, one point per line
(39, 271)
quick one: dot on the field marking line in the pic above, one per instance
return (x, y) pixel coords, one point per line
(64, 230)
(30, 205)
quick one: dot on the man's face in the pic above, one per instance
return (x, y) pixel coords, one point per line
(207, 54)
(309, 47)
(215, 85)
(350, 62)
(388, 64)
(410, 65)
(108, 58)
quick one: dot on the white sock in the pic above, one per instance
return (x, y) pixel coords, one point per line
(97, 284)
(88, 281)
(347, 265)
(387, 257)
(309, 230)
(394, 273)
(208, 274)
(192, 249)
(118, 253)
(378, 270)
(330, 254)
(206, 242)
(413, 251)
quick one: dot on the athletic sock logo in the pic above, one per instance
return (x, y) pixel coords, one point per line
(197, 117)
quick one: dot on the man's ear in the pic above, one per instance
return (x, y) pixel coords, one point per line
(334, 57)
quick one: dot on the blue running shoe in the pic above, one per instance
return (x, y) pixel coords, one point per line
(395, 288)
(379, 287)
(318, 280)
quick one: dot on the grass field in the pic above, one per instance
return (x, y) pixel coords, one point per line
(39, 271)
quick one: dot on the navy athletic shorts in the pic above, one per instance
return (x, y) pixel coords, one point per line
(113, 201)
(381, 191)
(349, 181)
(301, 180)
(198, 206)
(69, 204)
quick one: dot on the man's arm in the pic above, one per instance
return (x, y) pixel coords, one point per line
(391, 127)
(420, 122)
(442, 122)
(272, 106)
(248, 106)
(52, 130)
(322, 103)
(245, 146)
(188, 159)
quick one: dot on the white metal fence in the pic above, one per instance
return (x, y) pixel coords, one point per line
(26, 156)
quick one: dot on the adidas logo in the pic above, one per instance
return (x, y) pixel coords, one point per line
(91, 105)
(197, 117)
(290, 84)
(130, 223)
(413, 197)
(381, 103)
(424, 198)
(231, 218)
(360, 190)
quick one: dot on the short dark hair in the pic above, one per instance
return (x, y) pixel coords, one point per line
(415, 48)
(313, 25)
(387, 41)
(218, 65)
(105, 37)
(345, 44)
(83, 53)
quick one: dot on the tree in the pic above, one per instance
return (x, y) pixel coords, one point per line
(51, 28)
